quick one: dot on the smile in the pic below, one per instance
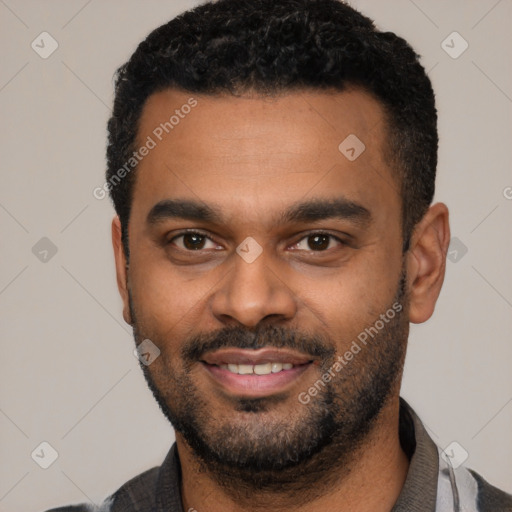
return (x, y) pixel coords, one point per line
(257, 369)
(255, 373)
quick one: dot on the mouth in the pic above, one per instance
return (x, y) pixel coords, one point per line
(255, 373)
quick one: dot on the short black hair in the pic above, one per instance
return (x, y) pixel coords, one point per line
(276, 46)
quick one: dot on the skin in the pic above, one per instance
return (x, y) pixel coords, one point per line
(252, 158)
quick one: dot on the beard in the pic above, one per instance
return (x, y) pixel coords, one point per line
(258, 447)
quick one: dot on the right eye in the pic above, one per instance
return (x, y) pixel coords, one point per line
(192, 241)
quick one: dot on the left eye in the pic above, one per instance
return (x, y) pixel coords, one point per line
(317, 242)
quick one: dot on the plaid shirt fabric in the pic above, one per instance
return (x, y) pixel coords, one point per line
(432, 485)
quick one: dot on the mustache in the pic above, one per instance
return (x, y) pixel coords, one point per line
(312, 344)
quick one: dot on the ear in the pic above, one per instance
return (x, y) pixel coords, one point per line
(426, 262)
(121, 268)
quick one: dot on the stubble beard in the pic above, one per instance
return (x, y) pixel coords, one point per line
(255, 450)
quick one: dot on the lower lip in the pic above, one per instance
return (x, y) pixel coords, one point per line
(255, 385)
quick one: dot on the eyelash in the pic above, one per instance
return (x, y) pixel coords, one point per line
(307, 235)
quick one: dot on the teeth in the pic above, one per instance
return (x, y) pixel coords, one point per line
(245, 369)
(276, 367)
(258, 369)
(262, 369)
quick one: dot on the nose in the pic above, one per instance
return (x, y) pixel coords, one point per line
(252, 292)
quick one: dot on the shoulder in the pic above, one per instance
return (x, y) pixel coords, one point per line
(136, 494)
(490, 498)
(461, 488)
(73, 508)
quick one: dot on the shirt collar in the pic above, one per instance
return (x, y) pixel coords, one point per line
(420, 488)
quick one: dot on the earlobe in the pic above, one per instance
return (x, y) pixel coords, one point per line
(426, 262)
(121, 268)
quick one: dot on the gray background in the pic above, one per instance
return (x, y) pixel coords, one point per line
(68, 375)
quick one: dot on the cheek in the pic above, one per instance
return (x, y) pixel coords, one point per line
(162, 293)
(166, 301)
(357, 297)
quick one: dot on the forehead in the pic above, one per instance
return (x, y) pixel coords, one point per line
(261, 153)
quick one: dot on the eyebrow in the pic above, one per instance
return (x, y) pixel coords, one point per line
(304, 211)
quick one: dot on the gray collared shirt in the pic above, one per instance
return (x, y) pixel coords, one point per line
(433, 482)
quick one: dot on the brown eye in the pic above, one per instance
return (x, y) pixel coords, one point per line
(192, 241)
(318, 242)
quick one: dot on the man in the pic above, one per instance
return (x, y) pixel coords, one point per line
(272, 165)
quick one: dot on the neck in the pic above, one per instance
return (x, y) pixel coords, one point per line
(370, 479)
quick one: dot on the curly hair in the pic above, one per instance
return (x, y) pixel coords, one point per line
(275, 46)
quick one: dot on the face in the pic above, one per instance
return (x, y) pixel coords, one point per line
(262, 254)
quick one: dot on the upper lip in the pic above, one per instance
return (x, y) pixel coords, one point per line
(254, 357)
